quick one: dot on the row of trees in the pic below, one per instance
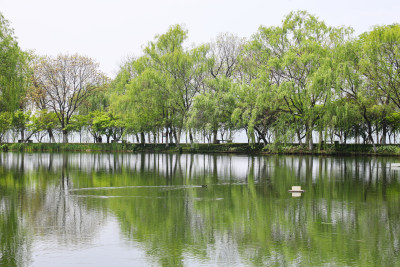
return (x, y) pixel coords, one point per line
(43, 123)
(285, 84)
(44, 95)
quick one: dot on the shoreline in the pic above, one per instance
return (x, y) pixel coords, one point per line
(229, 148)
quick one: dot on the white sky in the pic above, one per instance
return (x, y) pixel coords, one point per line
(108, 31)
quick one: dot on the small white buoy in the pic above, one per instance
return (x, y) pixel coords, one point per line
(296, 189)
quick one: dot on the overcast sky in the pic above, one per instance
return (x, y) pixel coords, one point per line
(109, 31)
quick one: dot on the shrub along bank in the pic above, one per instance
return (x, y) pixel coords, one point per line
(342, 149)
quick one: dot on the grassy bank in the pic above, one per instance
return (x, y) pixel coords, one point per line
(118, 147)
(348, 149)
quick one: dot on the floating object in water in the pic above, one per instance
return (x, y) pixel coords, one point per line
(296, 189)
(204, 185)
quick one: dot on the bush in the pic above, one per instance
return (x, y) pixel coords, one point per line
(388, 149)
(17, 147)
(194, 147)
(4, 147)
(284, 148)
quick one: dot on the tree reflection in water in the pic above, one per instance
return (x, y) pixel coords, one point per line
(35, 202)
(348, 215)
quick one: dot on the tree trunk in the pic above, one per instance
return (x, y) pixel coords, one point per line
(166, 137)
(384, 132)
(371, 139)
(261, 136)
(215, 136)
(171, 136)
(178, 137)
(175, 137)
(51, 136)
(22, 136)
(377, 133)
(357, 137)
(142, 138)
(190, 136)
(299, 137)
(309, 140)
(320, 138)
(247, 135)
(65, 136)
(307, 143)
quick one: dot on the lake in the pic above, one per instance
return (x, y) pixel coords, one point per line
(197, 210)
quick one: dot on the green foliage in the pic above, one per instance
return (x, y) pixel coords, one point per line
(103, 123)
(284, 85)
(5, 124)
(77, 123)
(297, 68)
(156, 91)
(380, 60)
(212, 111)
(43, 120)
(4, 147)
(14, 69)
(394, 150)
(279, 148)
(394, 121)
(98, 100)
(17, 147)
(19, 121)
(65, 84)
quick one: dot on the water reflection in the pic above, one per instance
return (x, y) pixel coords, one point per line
(348, 216)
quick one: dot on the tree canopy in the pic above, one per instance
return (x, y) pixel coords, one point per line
(301, 81)
(14, 69)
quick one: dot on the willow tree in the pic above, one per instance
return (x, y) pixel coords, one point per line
(148, 105)
(344, 120)
(119, 93)
(223, 66)
(380, 65)
(65, 83)
(247, 113)
(212, 110)
(257, 106)
(181, 71)
(5, 124)
(14, 69)
(354, 88)
(299, 65)
(138, 99)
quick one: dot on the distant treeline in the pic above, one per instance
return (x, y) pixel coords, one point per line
(284, 84)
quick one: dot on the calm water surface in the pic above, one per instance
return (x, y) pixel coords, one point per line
(151, 210)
